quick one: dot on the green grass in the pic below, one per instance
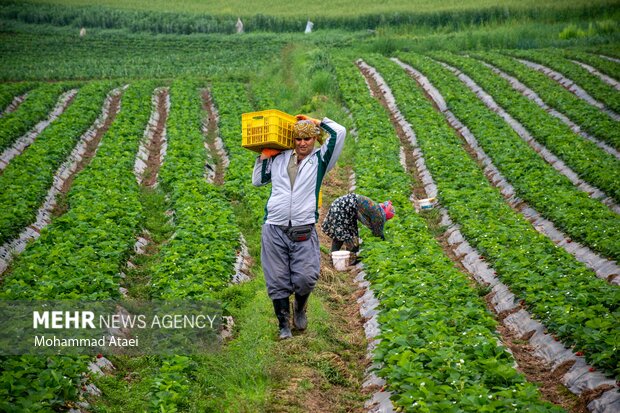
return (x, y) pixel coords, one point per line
(234, 379)
(313, 9)
(160, 229)
(513, 34)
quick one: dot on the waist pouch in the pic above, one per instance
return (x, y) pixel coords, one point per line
(298, 233)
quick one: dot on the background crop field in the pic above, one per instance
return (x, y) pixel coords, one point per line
(311, 9)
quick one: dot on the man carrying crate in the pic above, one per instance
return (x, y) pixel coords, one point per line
(290, 246)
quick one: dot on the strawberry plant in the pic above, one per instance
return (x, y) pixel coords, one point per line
(588, 117)
(560, 291)
(592, 164)
(590, 58)
(80, 254)
(551, 194)
(8, 91)
(593, 85)
(199, 258)
(34, 109)
(28, 177)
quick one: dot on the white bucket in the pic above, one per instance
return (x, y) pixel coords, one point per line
(341, 260)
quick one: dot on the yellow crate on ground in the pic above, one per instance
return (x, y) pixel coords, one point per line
(267, 129)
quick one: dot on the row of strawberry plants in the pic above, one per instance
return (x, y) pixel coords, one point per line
(192, 263)
(609, 51)
(39, 384)
(199, 259)
(9, 91)
(500, 298)
(25, 181)
(593, 85)
(553, 195)
(560, 291)
(232, 100)
(79, 255)
(35, 108)
(603, 65)
(438, 348)
(598, 167)
(588, 117)
(206, 214)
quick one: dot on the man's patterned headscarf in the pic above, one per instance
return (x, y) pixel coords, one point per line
(306, 129)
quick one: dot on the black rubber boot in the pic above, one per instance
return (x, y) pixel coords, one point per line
(336, 245)
(300, 321)
(283, 312)
(354, 258)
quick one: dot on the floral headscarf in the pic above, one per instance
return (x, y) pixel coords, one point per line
(388, 208)
(306, 129)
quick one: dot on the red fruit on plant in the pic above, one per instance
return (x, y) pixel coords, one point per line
(579, 353)
(99, 355)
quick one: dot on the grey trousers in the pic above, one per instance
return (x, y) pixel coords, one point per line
(289, 267)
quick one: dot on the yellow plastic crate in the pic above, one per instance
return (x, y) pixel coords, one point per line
(267, 129)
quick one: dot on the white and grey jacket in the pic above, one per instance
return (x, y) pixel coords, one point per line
(298, 205)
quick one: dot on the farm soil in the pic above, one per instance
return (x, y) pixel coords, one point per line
(13, 106)
(535, 370)
(158, 235)
(91, 150)
(208, 107)
(154, 160)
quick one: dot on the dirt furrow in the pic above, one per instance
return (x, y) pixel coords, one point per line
(54, 203)
(12, 107)
(215, 169)
(152, 149)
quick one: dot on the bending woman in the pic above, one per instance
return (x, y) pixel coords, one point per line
(340, 224)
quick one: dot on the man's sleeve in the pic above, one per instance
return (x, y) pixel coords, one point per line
(332, 148)
(262, 171)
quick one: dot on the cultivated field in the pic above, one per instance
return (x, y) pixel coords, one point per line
(122, 177)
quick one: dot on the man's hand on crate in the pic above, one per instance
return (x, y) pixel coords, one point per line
(304, 117)
(268, 153)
